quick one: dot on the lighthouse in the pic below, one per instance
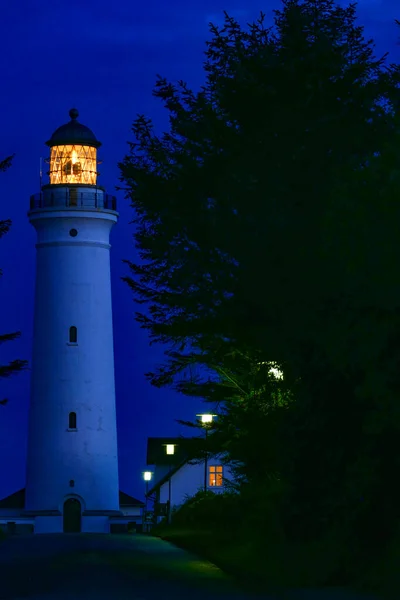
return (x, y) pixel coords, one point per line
(72, 460)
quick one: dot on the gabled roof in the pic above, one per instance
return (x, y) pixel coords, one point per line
(186, 449)
(167, 476)
(126, 500)
(17, 500)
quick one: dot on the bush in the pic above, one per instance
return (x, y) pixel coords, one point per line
(243, 535)
(213, 511)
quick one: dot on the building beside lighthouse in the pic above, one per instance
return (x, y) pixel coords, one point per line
(72, 479)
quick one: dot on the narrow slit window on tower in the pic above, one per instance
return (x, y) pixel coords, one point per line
(73, 335)
(73, 197)
(72, 420)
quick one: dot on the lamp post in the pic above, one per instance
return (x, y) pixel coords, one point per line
(206, 421)
(170, 451)
(147, 475)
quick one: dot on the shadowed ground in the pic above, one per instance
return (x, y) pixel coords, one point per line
(100, 567)
(74, 566)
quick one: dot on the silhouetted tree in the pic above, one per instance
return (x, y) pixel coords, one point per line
(232, 204)
(15, 365)
(266, 223)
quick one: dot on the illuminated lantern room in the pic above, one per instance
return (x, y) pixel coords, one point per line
(73, 154)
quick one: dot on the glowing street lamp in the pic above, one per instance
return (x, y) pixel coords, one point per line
(147, 475)
(206, 420)
(170, 451)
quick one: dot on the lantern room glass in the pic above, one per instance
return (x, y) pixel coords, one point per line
(73, 164)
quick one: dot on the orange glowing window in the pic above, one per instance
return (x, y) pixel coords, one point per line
(215, 475)
(73, 164)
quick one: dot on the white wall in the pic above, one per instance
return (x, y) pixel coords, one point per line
(158, 473)
(95, 525)
(73, 288)
(134, 511)
(17, 520)
(188, 480)
(126, 521)
(48, 524)
(13, 515)
(10, 512)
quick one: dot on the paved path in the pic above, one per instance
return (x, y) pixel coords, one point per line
(107, 567)
(117, 567)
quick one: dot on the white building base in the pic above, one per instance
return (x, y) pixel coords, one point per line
(15, 519)
(48, 525)
(95, 525)
(54, 524)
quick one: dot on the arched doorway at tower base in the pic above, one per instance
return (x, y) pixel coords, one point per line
(72, 517)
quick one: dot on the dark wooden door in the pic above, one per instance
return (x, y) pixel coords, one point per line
(72, 516)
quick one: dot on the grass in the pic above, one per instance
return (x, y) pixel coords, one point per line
(3, 535)
(279, 567)
(241, 561)
(383, 578)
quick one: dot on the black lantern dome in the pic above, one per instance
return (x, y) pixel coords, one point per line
(73, 133)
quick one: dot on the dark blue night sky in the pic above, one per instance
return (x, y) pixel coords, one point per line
(102, 58)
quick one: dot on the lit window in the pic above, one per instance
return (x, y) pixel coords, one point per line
(73, 163)
(72, 420)
(170, 448)
(215, 473)
(73, 335)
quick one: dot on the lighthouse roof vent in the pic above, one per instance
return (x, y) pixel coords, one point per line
(73, 133)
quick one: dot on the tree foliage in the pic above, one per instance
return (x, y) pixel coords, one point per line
(246, 176)
(266, 222)
(16, 365)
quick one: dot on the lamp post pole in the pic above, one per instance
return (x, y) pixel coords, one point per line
(145, 507)
(170, 450)
(205, 462)
(169, 498)
(147, 477)
(206, 420)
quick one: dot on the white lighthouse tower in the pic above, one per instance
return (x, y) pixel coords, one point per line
(72, 464)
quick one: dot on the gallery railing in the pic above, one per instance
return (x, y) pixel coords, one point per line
(73, 198)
